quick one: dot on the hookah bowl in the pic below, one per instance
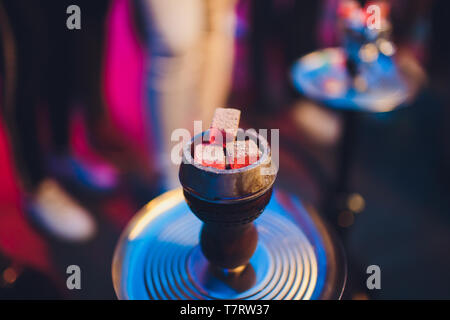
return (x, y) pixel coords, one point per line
(228, 201)
(227, 235)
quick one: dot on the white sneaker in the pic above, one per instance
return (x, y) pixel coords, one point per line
(59, 214)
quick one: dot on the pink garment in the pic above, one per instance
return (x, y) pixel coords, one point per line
(18, 240)
(124, 76)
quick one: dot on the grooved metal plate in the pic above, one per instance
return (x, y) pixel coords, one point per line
(158, 256)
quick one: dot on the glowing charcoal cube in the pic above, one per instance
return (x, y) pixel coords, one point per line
(224, 125)
(209, 155)
(240, 154)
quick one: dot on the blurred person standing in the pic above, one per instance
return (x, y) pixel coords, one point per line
(49, 69)
(190, 55)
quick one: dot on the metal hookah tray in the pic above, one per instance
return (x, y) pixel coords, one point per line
(158, 256)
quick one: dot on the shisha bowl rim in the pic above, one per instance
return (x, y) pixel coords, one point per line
(225, 185)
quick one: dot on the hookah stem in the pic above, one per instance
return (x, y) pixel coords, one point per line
(346, 152)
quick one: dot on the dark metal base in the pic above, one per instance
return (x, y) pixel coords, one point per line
(158, 256)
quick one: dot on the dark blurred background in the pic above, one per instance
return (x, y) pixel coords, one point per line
(86, 117)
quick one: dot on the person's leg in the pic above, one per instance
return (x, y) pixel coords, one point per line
(190, 55)
(21, 36)
(87, 52)
(47, 202)
(218, 48)
(61, 75)
(175, 30)
(74, 93)
(75, 66)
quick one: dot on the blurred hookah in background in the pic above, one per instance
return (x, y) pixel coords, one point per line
(362, 76)
(365, 34)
